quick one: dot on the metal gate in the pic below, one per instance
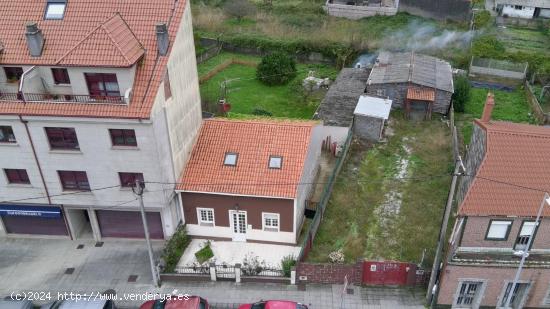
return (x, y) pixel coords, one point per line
(225, 272)
(389, 273)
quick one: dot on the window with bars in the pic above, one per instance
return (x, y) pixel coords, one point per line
(123, 137)
(527, 231)
(517, 295)
(6, 135)
(128, 180)
(62, 138)
(205, 216)
(74, 180)
(60, 76)
(271, 222)
(17, 176)
(467, 294)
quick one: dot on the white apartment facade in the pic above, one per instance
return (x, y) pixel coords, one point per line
(74, 139)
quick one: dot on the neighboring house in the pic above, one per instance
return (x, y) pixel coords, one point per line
(498, 204)
(93, 96)
(360, 8)
(523, 8)
(417, 83)
(251, 180)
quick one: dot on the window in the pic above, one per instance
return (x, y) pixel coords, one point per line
(230, 158)
(18, 176)
(467, 293)
(55, 9)
(60, 76)
(102, 85)
(62, 138)
(72, 180)
(275, 162)
(498, 230)
(380, 92)
(205, 216)
(527, 230)
(167, 87)
(518, 7)
(6, 135)
(128, 180)
(13, 74)
(123, 137)
(517, 296)
(270, 222)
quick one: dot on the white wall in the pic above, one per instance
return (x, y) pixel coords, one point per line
(525, 12)
(251, 234)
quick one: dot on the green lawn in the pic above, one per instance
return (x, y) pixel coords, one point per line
(245, 93)
(361, 219)
(509, 106)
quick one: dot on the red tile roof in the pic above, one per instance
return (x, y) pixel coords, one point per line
(422, 94)
(255, 142)
(93, 32)
(514, 174)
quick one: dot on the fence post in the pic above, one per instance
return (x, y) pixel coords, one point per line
(293, 275)
(212, 271)
(238, 273)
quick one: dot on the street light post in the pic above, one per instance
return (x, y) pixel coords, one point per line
(525, 253)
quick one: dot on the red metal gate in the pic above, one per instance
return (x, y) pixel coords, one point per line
(388, 273)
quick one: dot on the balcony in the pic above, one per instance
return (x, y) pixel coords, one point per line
(62, 98)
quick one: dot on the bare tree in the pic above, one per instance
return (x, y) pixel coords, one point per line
(239, 8)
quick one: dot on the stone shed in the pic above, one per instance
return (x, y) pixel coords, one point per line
(370, 116)
(337, 107)
(418, 83)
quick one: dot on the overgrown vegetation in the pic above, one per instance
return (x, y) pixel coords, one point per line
(277, 68)
(205, 253)
(287, 263)
(388, 200)
(174, 249)
(482, 19)
(462, 93)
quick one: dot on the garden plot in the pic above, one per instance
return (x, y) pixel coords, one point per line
(388, 200)
(523, 39)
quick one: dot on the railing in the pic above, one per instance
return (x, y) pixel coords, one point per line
(61, 98)
(196, 270)
(262, 271)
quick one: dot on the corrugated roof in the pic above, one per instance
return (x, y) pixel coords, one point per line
(514, 174)
(85, 23)
(254, 142)
(412, 67)
(373, 107)
(422, 94)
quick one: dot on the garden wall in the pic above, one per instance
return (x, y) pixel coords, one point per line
(541, 116)
(458, 10)
(329, 273)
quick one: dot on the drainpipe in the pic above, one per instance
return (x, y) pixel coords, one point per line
(20, 94)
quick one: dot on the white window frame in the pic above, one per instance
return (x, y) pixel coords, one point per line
(508, 224)
(55, 6)
(206, 223)
(523, 297)
(271, 228)
(273, 157)
(480, 292)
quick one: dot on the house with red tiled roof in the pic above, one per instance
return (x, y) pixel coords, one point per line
(251, 180)
(94, 95)
(499, 197)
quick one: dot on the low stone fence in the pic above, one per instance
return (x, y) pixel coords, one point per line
(542, 117)
(329, 273)
(358, 11)
(224, 272)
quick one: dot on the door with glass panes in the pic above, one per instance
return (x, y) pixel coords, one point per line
(238, 224)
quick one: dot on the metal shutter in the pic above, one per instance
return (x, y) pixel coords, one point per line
(35, 225)
(128, 224)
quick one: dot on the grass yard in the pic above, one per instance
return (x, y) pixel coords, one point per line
(247, 95)
(524, 39)
(509, 106)
(388, 200)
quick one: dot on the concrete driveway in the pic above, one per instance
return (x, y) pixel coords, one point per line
(41, 266)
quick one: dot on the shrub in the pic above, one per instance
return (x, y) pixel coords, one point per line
(488, 46)
(239, 8)
(462, 93)
(287, 263)
(277, 68)
(252, 265)
(205, 253)
(482, 19)
(337, 257)
(258, 111)
(174, 249)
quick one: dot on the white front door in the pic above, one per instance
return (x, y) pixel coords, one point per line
(238, 224)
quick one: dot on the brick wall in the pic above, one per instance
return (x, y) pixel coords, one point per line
(329, 273)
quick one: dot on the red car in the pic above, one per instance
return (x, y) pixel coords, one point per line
(190, 302)
(274, 304)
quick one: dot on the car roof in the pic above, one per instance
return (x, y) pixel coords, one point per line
(280, 304)
(191, 303)
(83, 304)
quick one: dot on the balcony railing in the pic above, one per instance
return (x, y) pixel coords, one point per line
(61, 98)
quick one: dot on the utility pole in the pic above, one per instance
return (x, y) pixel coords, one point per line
(138, 190)
(430, 295)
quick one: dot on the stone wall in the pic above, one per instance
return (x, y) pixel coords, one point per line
(358, 11)
(458, 10)
(397, 93)
(329, 273)
(474, 156)
(368, 128)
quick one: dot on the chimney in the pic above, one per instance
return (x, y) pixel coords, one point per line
(162, 38)
(488, 109)
(35, 39)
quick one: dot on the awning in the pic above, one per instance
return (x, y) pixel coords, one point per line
(29, 210)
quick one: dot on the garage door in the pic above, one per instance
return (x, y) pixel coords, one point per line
(128, 224)
(34, 225)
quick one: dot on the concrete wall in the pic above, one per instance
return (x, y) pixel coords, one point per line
(496, 278)
(397, 92)
(474, 156)
(458, 10)
(358, 11)
(524, 12)
(368, 128)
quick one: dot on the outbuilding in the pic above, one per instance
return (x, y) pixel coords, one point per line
(370, 116)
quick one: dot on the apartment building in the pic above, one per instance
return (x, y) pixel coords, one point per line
(93, 96)
(497, 217)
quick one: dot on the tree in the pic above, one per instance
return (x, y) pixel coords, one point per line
(239, 8)
(277, 68)
(462, 93)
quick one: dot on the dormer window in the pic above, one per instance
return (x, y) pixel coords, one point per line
(55, 9)
(230, 158)
(275, 162)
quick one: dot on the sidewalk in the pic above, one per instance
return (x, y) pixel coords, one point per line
(40, 265)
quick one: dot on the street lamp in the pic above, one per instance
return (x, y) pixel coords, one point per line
(525, 253)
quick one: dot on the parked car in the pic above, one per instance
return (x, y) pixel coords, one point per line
(274, 304)
(80, 304)
(191, 302)
(15, 304)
